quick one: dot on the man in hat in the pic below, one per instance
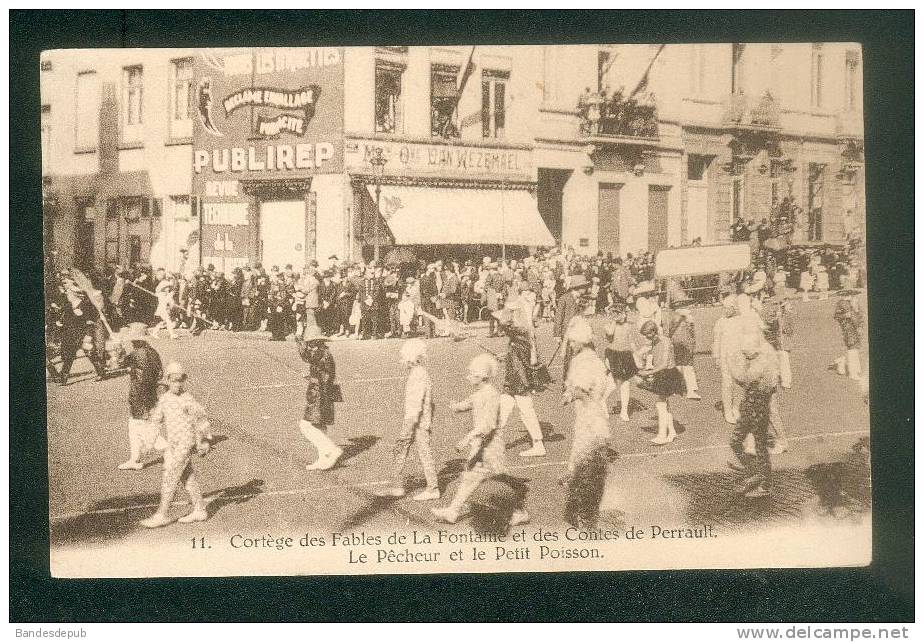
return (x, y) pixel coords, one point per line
(144, 372)
(429, 293)
(371, 298)
(391, 289)
(78, 319)
(494, 290)
(722, 327)
(309, 284)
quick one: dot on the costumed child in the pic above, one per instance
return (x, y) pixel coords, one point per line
(849, 316)
(661, 377)
(683, 336)
(144, 373)
(484, 442)
(186, 425)
(585, 387)
(620, 335)
(418, 417)
(320, 395)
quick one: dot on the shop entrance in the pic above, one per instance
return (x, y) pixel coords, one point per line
(282, 234)
(657, 217)
(608, 219)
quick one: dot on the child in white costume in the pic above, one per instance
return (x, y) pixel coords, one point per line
(484, 441)
(186, 425)
(418, 415)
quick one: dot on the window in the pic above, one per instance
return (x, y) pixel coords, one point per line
(603, 66)
(182, 209)
(817, 63)
(46, 137)
(852, 80)
(696, 167)
(737, 68)
(444, 117)
(87, 120)
(132, 103)
(493, 104)
(181, 99)
(387, 97)
(816, 201)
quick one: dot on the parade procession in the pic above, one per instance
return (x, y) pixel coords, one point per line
(374, 288)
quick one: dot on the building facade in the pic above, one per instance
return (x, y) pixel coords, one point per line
(280, 156)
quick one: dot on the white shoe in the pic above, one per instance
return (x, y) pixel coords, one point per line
(156, 521)
(445, 515)
(199, 515)
(131, 465)
(694, 396)
(329, 460)
(427, 494)
(659, 441)
(624, 417)
(538, 450)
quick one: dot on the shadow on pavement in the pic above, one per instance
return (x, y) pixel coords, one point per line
(240, 494)
(121, 517)
(357, 446)
(839, 489)
(548, 435)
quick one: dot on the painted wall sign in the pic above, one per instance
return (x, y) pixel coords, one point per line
(440, 160)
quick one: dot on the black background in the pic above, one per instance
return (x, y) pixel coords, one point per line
(881, 592)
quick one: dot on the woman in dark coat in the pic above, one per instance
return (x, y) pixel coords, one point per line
(320, 396)
(520, 376)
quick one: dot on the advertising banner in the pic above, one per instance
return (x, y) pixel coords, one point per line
(273, 114)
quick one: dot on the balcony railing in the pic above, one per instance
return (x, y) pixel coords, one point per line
(750, 112)
(616, 116)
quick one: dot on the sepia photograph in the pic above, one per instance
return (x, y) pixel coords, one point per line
(455, 308)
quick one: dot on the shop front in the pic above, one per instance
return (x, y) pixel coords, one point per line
(268, 155)
(443, 200)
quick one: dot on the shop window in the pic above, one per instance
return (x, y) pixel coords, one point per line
(737, 78)
(387, 97)
(696, 167)
(851, 81)
(444, 99)
(86, 123)
(182, 209)
(132, 103)
(493, 104)
(181, 99)
(817, 75)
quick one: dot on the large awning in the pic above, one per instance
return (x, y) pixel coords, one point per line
(456, 216)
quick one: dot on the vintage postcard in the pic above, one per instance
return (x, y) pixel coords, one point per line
(455, 309)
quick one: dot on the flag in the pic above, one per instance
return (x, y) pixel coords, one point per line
(643, 83)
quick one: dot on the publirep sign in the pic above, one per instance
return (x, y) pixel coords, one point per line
(272, 113)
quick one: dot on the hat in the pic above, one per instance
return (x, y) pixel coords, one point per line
(483, 366)
(409, 279)
(413, 350)
(299, 294)
(136, 331)
(313, 332)
(579, 331)
(174, 369)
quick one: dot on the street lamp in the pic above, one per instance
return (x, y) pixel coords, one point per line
(378, 168)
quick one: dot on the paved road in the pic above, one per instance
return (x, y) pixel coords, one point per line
(256, 478)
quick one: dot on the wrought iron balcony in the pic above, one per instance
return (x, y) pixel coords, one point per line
(618, 117)
(747, 112)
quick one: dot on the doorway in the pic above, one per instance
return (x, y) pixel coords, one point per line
(657, 217)
(608, 218)
(282, 234)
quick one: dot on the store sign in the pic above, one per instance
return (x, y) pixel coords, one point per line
(440, 160)
(261, 114)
